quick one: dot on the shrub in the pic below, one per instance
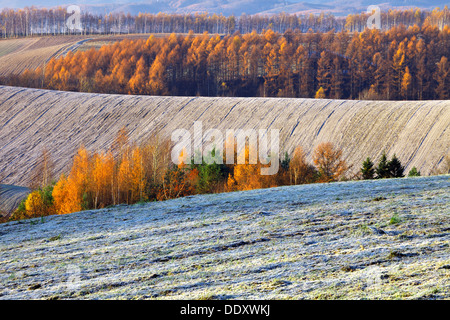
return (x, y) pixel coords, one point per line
(413, 172)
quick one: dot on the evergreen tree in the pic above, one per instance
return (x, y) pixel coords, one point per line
(395, 168)
(383, 167)
(367, 170)
(285, 162)
(210, 174)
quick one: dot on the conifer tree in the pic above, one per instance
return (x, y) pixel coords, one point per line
(395, 168)
(367, 170)
(320, 94)
(413, 172)
(383, 167)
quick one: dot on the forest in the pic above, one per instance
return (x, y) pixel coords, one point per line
(130, 173)
(403, 63)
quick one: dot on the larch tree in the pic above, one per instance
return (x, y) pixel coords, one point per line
(42, 174)
(442, 77)
(299, 170)
(124, 178)
(324, 71)
(406, 84)
(329, 162)
(246, 176)
(320, 94)
(138, 82)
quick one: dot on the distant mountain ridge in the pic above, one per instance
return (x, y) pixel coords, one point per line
(227, 7)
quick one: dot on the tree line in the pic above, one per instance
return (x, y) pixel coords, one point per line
(130, 173)
(32, 21)
(398, 64)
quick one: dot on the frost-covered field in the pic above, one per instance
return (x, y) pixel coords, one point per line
(31, 120)
(384, 239)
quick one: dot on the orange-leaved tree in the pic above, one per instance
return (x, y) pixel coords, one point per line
(300, 171)
(65, 196)
(329, 162)
(246, 176)
(72, 194)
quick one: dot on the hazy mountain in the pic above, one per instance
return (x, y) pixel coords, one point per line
(226, 7)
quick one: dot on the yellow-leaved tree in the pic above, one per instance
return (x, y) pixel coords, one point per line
(246, 176)
(137, 176)
(34, 205)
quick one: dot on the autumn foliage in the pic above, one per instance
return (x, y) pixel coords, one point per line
(329, 162)
(128, 173)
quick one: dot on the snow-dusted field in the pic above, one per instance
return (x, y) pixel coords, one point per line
(31, 120)
(383, 239)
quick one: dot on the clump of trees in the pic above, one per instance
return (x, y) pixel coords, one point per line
(394, 169)
(385, 168)
(395, 64)
(130, 173)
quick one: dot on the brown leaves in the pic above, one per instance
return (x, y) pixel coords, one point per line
(329, 162)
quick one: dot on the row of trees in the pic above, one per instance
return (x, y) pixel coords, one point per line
(397, 64)
(385, 168)
(394, 169)
(128, 174)
(131, 173)
(32, 21)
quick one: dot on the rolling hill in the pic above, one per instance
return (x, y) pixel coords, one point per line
(31, 119)
(382, 239)
(17, 55)
(10, 197)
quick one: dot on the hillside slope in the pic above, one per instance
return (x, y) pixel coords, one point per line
(17, 55)
(10, 197)
(30, 119)
(383, 239)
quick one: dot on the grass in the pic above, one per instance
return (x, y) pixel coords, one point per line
(395, 219)
(58, 237)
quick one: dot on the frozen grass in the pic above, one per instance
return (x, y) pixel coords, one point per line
(320, 241)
